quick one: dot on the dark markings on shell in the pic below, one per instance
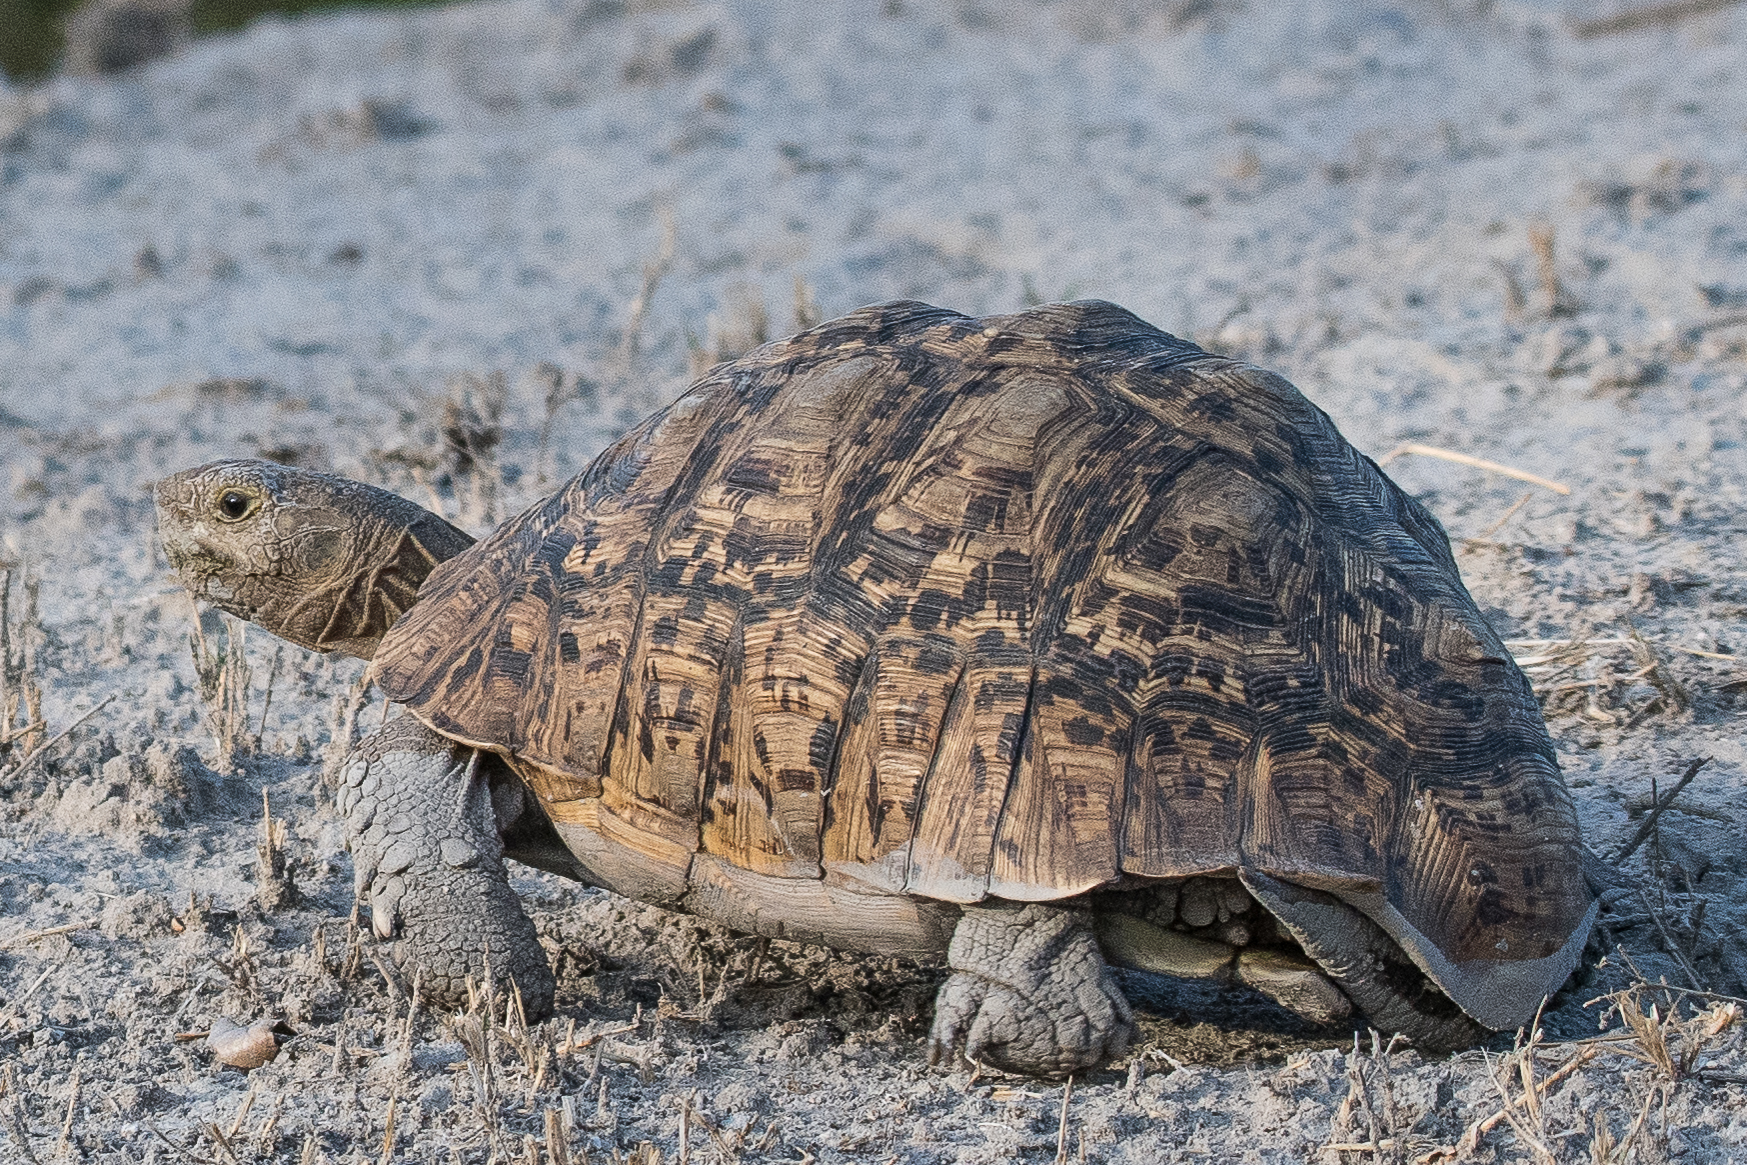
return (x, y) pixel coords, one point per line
(1017, 606)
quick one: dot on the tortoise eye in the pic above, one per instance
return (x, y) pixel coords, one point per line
(234, 505)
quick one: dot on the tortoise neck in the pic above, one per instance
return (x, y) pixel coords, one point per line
(355, 593)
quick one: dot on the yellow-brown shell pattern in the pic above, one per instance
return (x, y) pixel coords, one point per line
(1015, 607)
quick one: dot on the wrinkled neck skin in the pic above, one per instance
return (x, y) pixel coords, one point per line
(327, 563)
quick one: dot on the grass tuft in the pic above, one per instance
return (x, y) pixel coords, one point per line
(221, 665)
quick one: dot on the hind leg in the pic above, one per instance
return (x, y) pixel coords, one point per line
(1029, 993)
(1368, 966)
(426, 844)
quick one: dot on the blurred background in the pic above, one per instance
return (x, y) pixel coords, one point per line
(33, 32)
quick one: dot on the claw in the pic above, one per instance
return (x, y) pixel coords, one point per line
(385, 907)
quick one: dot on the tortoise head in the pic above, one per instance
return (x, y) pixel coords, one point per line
(325, 562)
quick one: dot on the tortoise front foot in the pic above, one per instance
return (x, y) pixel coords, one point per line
(425, 845)
(1029, 993)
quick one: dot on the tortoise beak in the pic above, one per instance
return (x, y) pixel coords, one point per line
(179, 534)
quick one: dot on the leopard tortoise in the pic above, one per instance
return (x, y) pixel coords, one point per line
(1042, 642)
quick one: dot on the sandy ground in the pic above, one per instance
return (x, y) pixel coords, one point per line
(327, 241)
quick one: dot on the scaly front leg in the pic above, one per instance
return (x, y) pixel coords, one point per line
(425, 844)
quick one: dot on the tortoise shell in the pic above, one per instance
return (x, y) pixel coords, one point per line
(1017, 607)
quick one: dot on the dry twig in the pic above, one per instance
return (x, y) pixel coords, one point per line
(1649, 823)
(31, 936)
(43, 748)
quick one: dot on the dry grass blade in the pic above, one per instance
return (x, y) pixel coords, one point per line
(1668, 1043)
(470, 431)
(185, 1154)
(1414, 448)
(1649, 16)
(343, 734)
(267, 1136)
(412, 1011)
(557, 1144)
(217, 1137)
(273, 885)
(1653, 668)
(273, 671)
(20, 690)
(472, 1031)
(1470, 1140)
(390, 978)
(38, 981)
(7, 736)
(1625, 1146)
(1601, 1141)
(388, 1130)
(20, 1135)
(472, 422)
(642, 1059)
(1516, 506)
(1516, 303)
(1668, 942)
(576, 1045)
(1556, 299)
(653, 271)
(741, 325)
(728, 1150)
(1530, 1124)
(1061, 1131)
(558, 388)
(248, 1102)
(65, 1142)
(1598, 660)
(807, 311)
(1545, 660)
(1713, 996)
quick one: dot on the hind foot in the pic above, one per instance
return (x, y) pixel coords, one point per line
(1029, 993)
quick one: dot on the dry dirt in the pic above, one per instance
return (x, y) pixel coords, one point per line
(454, 252)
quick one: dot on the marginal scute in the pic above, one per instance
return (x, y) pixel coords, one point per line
(1019, 607)
(889, 745)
